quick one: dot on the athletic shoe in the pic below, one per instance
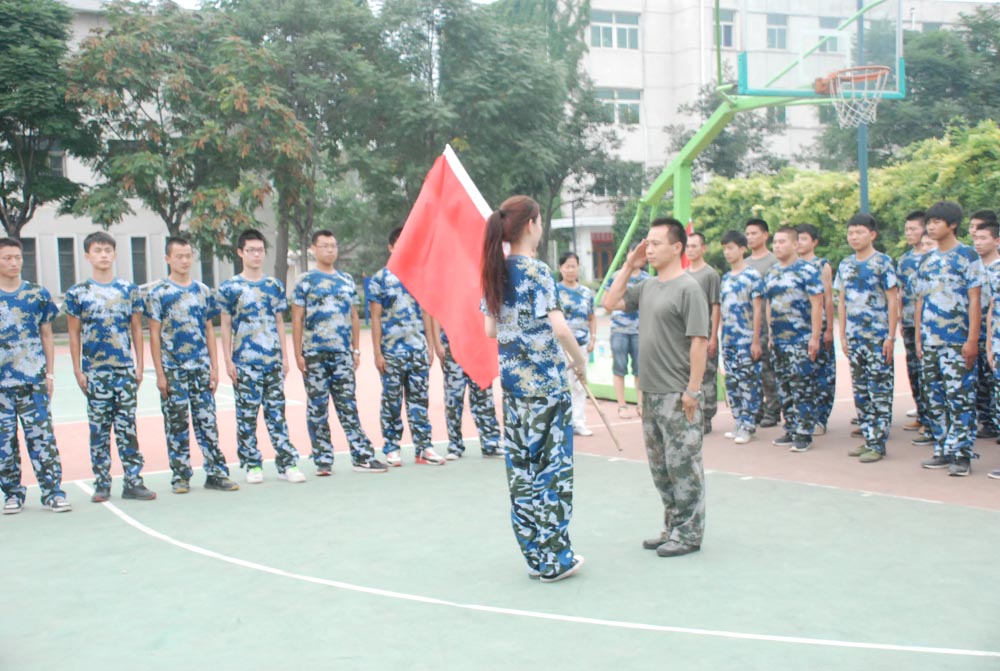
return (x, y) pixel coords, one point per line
(180, 487)
(324, 471)
(857, 433)
(913, 426)
(220, 483)
(292, 474)
(819, 430)
(534, 573)
(676, 549)
(855, 421)
(393, 459)
(992, 474)
(655, 542)
(373, 465)
(783, 440)
(961, 466)
(100, 495)
(428, 457)
(453, 456)
(801, 444)
(706, 427)
(911, 412)
(986, 433)
(767, 422)
(937, 461)
(743, 437)
(729, 434)
(922, 439)
(858, 451)
(58, 504)
(138, 493)
(577, 563)
(498, 453)
(14, 505)
(870, 456)
(255, 475)
(582, 430)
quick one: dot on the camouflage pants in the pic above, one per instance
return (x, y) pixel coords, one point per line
(743, 386)
(30, 403)
(872, 381)
(770, 406)
(985, 383)
(191, 389)
(405, 378)
(796, 375)
(256, 387)
(480, 405)
(913, 372)
(950, 391)
(826, 383)
(111, 401)
(332, 376)
(538, 435)
(710, 387)
(673, 449)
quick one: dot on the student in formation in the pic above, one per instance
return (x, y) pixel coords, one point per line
(26, 357)
(906, 270)
(104, 320)
(761, 259)
(253, 349)
(673, 333)
(826, 360)
(403, 356)
(481, 405)
(742, 313)
(325, 333)
(867, 313)
(993, 326)
(577, 303)
(182, 341)
(948, 288)
(625, 346)
(523, 314)
(794, 293)
(985, 244)
(709, 280)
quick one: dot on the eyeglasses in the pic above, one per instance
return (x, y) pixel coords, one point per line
(254, 250)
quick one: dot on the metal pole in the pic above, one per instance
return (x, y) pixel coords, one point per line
(572, 211)
(863, 128)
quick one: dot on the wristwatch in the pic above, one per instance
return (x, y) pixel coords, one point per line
(696, 395)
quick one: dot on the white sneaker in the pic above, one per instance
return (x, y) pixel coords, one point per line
(430, 457)
(292, 474)
(393, 459)
(743, 437)
(730, 434)
(454, 456)
(911, 413)
(582, 430)
(255, 476)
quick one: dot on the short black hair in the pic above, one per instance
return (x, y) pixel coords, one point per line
(323, 233)
(759, 223)
(791, 230)
(947, 211)
(809, 230)
(566, 256)
(11, 242)
(696, 234)
(175, 240)
(250, 234)
(984, 215)
(918, 215)
(863, 219)
(98, 238)
(734, 237)
(991, 227)
(675, 230)
(394, 234)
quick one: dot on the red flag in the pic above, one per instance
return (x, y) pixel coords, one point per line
(685, 261)
(438, 258)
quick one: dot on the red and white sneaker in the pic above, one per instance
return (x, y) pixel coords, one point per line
(393, 459)
(430, 458)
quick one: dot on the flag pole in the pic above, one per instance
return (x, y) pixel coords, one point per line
(604, 418)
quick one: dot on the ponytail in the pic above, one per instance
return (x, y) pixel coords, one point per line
(507, 224)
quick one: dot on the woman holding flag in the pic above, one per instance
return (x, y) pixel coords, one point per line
(523, 314)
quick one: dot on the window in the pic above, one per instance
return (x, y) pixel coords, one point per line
(140, 274)
(828, 29)
(67, 263)
(776, 115)
(57, 163)
(931, 26)
(777, 31)
(827, 114)
(614, 30)
(727, 21)
(620, 105)
(208, 266)
(29, 271)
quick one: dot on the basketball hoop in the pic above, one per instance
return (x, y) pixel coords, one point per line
(855, 92)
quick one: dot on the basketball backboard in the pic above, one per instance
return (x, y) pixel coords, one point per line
(785, 46)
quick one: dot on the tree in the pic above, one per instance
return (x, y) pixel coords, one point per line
(36, 120)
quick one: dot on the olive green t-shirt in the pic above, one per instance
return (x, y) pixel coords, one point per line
(711, 283)
(762, 265)
(670, 314)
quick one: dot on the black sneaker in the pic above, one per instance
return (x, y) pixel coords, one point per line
(961, 466)
(577, 563)
(706, 427)
(655, 542)
(373, 465)
(767, 422)
(855, 421)
(922, 439)
(801, 444)
(986, 433)
(139, 493)
(937, 461)
(784, 440)
(100, 495)
(13, 505)
(220, 483)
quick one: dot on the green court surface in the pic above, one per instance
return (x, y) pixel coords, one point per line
(418, 569)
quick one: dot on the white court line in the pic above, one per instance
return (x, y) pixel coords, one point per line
(537, 615)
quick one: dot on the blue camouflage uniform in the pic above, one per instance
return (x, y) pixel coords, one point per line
(183, 312)
(943, 283)
(260, 380)
(625, 331)
(986, 412)
(538, 432)
(862, 286)
(993, 278)
(577, 305)
(481, 406)
(906, 271)
(743, 379)
(23, 392)
(105, 312)
(826, 362)
(404, 347)
(788, 289)
(327, 299)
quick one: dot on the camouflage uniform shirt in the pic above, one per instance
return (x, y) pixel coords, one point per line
(943, 282)
(22, 313)
(738, 293)
(402, 318)
(577, 305)
(863, 285)
(327, 299)
(253, 307)
(906, 270)
(182, 313)
(622, 321)
(788, 289)
(105, 313)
